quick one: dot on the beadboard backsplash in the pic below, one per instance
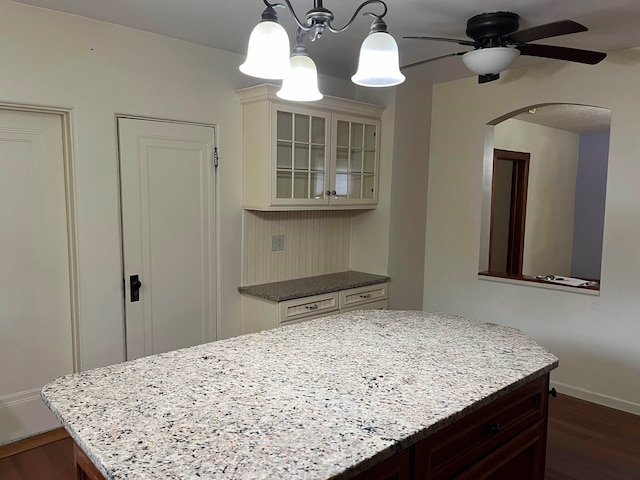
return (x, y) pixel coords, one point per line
(315, 243)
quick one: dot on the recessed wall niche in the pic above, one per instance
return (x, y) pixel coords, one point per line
(315, 242)
(544, 189)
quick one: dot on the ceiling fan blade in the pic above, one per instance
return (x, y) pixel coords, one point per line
(431, 60)
(554, 29)
(440, 39)
(562, 53)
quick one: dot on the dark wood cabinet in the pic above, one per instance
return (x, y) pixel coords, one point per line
(504, 440)
(466, 443)
(397, 467)
(85, 469)
(521, 458)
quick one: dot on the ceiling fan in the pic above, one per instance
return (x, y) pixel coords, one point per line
(497, 43)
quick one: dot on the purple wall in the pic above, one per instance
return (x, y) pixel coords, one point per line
(591, 185)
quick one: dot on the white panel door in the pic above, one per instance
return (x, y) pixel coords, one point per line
(35, 296)
(168, 228)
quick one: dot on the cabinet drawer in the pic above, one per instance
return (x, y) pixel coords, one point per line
(360, 295)
(521, 458)
(455, 448)
(315, 306)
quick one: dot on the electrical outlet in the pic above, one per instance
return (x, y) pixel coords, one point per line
(277, 243)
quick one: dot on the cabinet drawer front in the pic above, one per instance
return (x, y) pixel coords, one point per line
(317, 305)
(360, 295)
(454, 448)
(521, 458)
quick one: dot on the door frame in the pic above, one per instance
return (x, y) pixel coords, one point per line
(518, 207)
(72, 220)
(216, 215)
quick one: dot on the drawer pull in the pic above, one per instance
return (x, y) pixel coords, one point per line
(553, 392)
(365, 295)
(494, 428)
(315, 306)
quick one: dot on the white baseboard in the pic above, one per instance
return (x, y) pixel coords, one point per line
(598, 398)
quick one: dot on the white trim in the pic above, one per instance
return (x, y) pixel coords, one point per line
(265, 91)
(548, 286)
(216, 293)
(72, 221)
(19, 397)
(599, 398)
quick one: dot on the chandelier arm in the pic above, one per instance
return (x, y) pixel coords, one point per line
(300, 34)
(287, 4)
(355, 14)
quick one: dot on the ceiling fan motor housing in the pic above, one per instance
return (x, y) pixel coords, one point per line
(487, 29)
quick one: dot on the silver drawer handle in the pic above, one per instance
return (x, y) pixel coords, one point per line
(315, 306)
(365, 295)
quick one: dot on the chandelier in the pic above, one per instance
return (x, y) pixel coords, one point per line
(270, 56)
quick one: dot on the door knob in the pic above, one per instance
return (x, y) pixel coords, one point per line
(134, 286)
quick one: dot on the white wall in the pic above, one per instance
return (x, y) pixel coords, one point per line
(409, 195)
(98, 70)
(550, 194)
(597, 338)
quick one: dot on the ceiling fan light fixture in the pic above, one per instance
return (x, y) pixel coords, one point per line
(491, 60)
(301, 83)
(379, 62)
(268, 50)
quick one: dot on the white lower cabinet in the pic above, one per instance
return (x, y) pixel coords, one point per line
(261, 314)
(363, 298)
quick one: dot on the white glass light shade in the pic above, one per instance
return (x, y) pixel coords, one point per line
(487, 61)
(301, 83)
(379, 63)
(268, 52)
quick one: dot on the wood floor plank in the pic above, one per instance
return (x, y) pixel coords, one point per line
(53, 461)
(591, 442)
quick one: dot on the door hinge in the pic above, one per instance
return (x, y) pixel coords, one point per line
(215, 156)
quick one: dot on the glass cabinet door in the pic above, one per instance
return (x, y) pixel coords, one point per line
(355, 160)
(301, 156)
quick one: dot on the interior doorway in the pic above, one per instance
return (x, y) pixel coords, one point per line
(508, 211)
(38, 307)
(168, 199)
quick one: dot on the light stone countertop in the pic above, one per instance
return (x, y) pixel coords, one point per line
(326, 398)
(309, 286)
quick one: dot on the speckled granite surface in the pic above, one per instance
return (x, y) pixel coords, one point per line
(321, 399)
(306, 287)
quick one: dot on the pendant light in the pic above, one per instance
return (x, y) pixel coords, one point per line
(378, 64)
(301, 82)
(268, 51)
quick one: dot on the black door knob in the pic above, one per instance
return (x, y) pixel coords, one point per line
(134, 286)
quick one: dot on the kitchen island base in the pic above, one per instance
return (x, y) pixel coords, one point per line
(503, 440)
(365, 394)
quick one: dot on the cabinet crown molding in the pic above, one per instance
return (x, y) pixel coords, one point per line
(267, 91)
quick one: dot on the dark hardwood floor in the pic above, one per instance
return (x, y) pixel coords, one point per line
(590, 442)
(585, 442)
(53, 461)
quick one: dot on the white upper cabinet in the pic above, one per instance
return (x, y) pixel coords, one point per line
(323, 155)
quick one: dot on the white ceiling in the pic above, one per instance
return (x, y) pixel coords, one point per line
(613, 25)
(574, 118)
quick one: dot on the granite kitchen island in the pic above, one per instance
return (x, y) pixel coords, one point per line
(360, 393)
